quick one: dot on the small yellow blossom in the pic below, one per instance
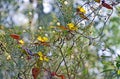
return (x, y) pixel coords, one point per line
(81, 9)
(42, 39)
(118, 72)
(40, 54)
(71, 26)
(45, 39)
(42, 57)
(39, 38)
(21, 42)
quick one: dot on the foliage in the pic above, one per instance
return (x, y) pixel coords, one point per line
(71, 42)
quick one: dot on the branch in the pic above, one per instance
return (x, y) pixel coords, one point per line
(65, 63)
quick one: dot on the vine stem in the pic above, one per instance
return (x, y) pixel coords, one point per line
(65, 63)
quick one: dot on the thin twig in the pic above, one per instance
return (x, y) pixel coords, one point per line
(65, 63)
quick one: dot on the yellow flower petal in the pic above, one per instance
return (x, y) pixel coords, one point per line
(46, 59)
(40, 54)
(39, 38)
(42, 57)
(118, 72)
(71, 26)
(81, 9)
(42, 39)
(21, 42)
(45, 39)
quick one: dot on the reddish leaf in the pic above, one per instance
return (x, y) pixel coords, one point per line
(28, 57)
(35, 72)
(107, 5)
(53, 73)
(15, 36)
(61, 76)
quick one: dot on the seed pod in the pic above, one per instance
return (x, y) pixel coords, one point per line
(106, 5)
(15, 36)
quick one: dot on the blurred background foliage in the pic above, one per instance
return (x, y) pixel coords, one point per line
(92, 51)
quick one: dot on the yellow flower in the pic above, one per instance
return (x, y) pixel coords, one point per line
(71, 26)
(42, 39)
(40, 54)
(118, 72)
(39, 38)
(45, 39)
(81, 9)
(42, 57)
(21, 42)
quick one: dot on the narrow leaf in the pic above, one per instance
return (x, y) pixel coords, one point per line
(15, 36)
(35, 72)
(106, 5)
